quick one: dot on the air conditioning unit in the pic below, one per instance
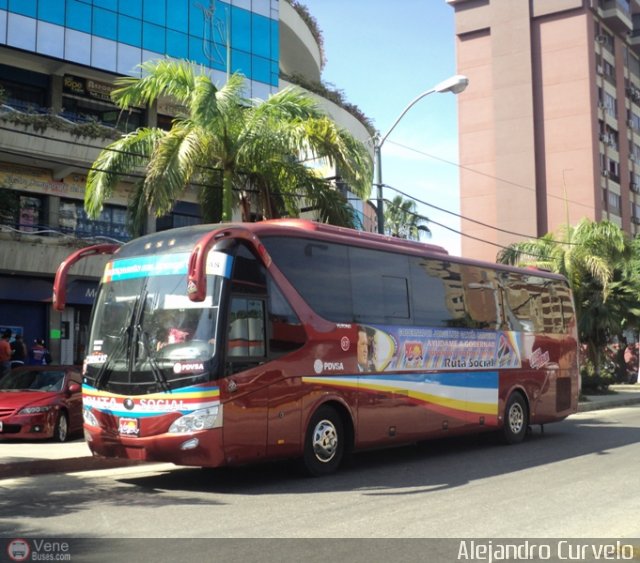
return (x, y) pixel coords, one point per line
(632, 157)
(605, 173)
(604, 137)
(602, 39)
(600, 105)
(635, 220)
(633, 186)
(599, 69)
(630, 124)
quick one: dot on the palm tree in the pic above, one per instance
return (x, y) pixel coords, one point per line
(597, 258)
(257, 148)
(401, 219)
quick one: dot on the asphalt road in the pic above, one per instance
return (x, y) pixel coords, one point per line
(579, 479)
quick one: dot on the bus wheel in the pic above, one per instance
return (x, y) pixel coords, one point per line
(516, 419)
(61, 430)
(324, 442)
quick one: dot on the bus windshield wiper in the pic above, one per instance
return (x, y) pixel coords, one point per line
(122, 342)
(139, 333)
(155, 368)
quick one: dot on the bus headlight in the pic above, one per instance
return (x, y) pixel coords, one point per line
(203, 419)
(89, 418)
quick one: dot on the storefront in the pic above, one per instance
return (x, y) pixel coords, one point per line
(25, 307)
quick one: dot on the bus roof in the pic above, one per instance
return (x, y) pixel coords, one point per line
(184, 239)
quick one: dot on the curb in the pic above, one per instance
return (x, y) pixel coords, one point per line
(607, 404)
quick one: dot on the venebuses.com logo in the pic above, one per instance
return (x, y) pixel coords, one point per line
(21, 549)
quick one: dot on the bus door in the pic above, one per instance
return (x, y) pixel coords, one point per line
(244, 388)
(261, 414)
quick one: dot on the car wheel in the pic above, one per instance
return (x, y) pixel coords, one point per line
(516, 419)
(61, 430)
(324, 442)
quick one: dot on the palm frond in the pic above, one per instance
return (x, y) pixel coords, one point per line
(172, 167)
(164, 77)
(124, 156)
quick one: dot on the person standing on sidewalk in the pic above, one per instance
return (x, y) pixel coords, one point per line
(19, 354)
(39, 353)
(5, 352)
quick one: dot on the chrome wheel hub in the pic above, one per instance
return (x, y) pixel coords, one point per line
(325, 441)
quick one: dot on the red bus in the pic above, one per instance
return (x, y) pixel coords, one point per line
(227, 344)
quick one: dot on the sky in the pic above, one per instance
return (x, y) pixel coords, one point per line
(382, 55)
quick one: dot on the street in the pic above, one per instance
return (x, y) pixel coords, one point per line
(578, 479)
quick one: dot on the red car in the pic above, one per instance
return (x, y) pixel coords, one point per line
(41, 402)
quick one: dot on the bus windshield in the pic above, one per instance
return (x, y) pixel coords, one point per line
(146, 334)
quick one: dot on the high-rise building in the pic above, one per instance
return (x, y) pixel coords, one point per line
(58, 62)
(550, 124)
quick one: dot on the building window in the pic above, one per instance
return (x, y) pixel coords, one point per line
(612, 169)
(604, 38)
(25, 90)
(610, 105)
(112, 222)
(21, 212)
(634, 66)
(184, 214)
(86, 100)
(613, 201)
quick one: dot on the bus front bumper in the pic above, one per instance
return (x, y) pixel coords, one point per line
(202, 449)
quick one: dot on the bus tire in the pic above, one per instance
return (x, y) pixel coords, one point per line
(61, 429)
(516, 419)
(324, 442)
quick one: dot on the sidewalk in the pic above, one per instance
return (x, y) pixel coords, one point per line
(20, 459)
(621, 396)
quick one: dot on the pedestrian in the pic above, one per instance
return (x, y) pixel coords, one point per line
(19, 354)
(5, 352)
(39, 353)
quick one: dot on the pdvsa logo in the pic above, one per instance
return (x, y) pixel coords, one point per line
(188, 367)
(18, 550)
(319, 366)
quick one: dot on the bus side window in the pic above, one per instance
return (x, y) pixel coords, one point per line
(246, 337)
(286, 332)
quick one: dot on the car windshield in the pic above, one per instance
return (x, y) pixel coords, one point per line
(32, 380)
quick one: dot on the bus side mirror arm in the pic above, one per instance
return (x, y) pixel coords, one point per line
(197, 272)
(60, 282)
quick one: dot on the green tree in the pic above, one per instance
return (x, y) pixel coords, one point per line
(401, 219)
(601, 264)
(235, 151)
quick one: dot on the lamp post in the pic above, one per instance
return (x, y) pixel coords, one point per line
(455, 85)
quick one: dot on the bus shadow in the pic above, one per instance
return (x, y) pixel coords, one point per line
(413, 469)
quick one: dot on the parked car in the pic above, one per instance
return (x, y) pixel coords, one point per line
(41, 402)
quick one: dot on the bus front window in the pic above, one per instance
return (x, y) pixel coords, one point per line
(145, 330)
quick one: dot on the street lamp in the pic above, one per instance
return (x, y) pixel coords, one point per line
(455, 85)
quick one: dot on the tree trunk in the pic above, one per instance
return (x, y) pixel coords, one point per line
(227, 196)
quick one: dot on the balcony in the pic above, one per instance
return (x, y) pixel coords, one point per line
(299, 50)
(616, 14)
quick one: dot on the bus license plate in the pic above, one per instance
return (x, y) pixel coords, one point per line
(129, 427)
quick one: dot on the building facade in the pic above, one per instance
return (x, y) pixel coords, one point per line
(58, 61)
(550, 124)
